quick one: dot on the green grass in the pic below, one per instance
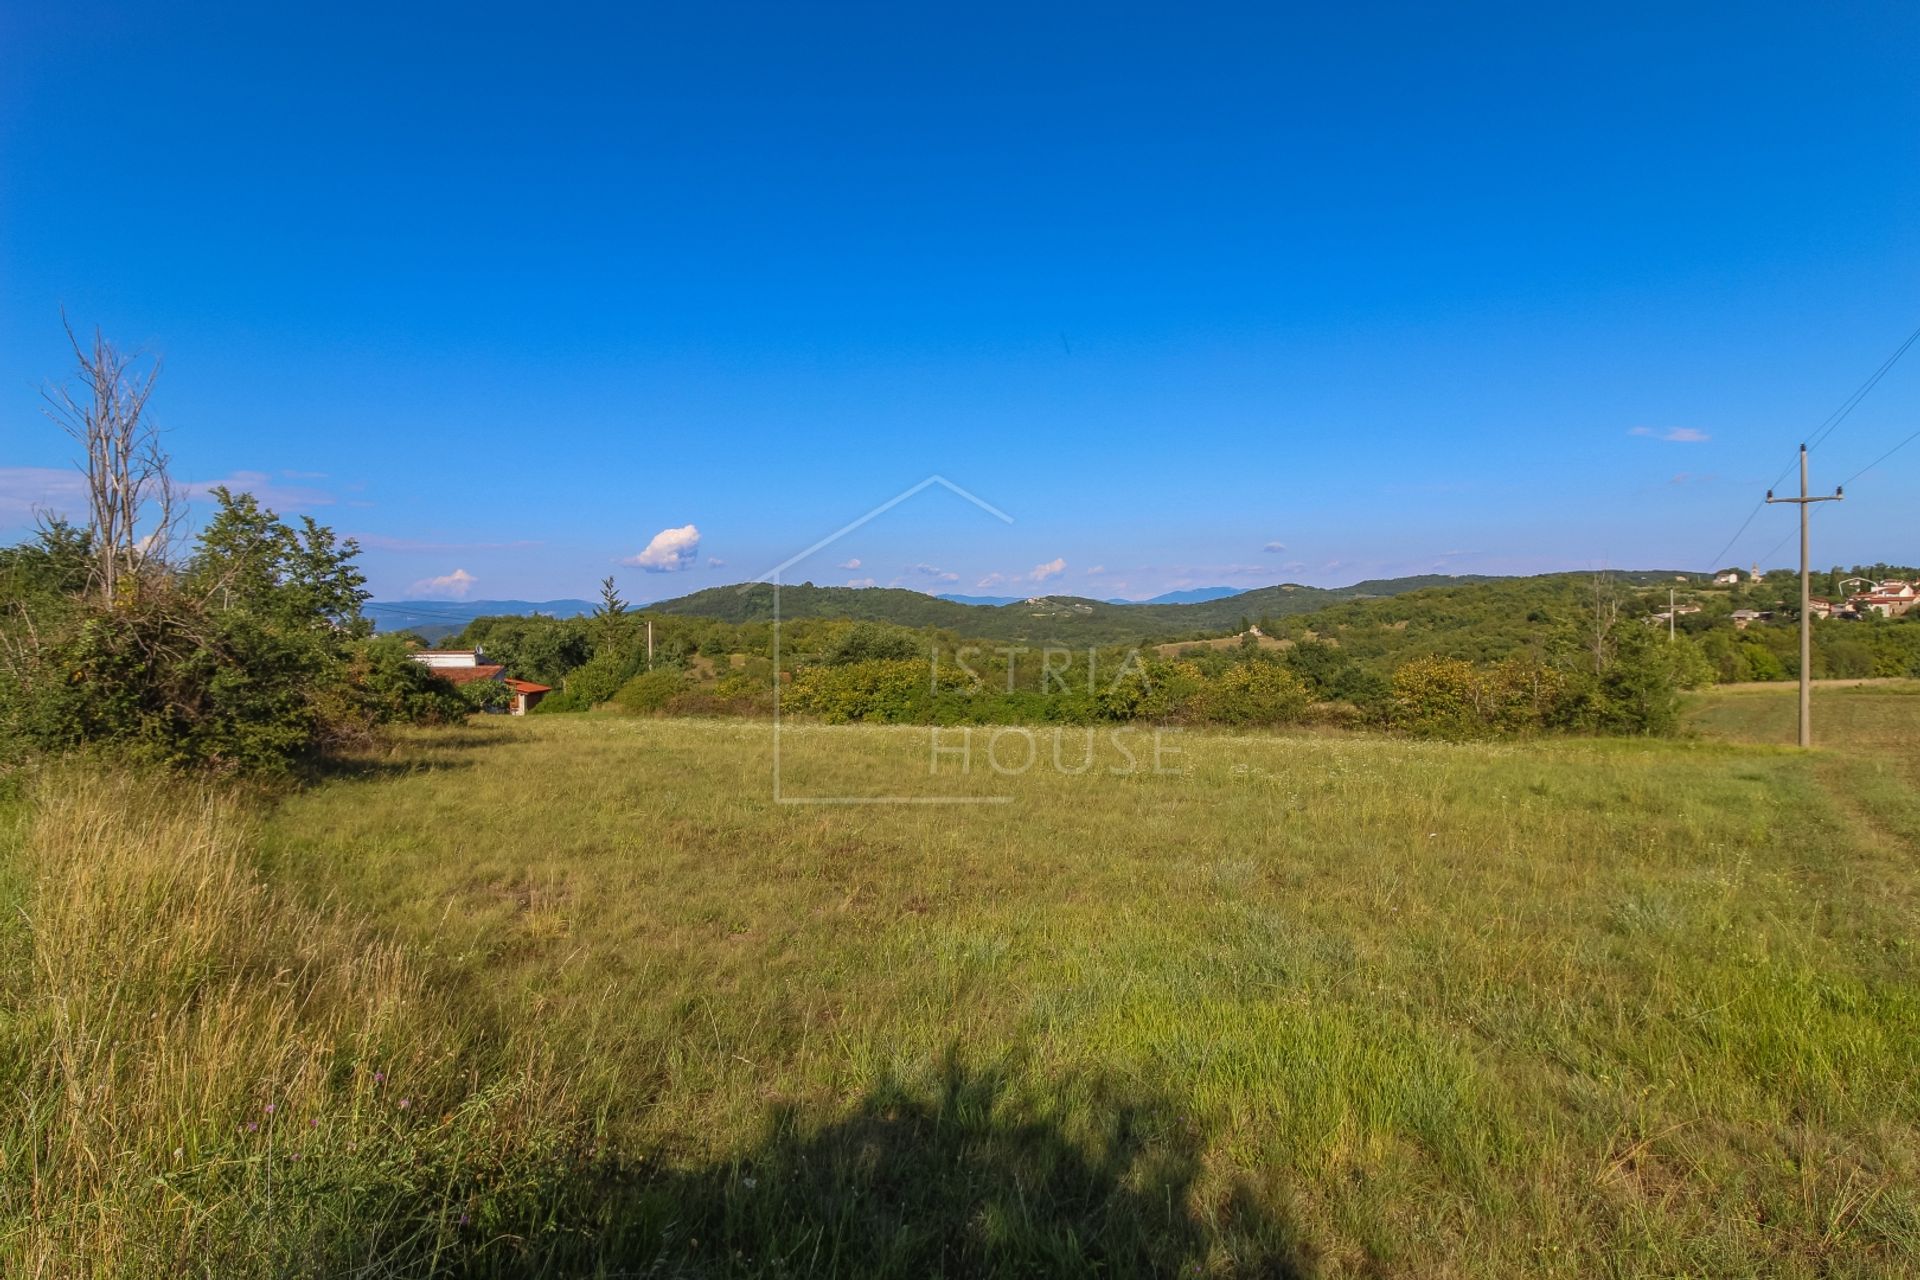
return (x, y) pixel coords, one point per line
(1301, 1005)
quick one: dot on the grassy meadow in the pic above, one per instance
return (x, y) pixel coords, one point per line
(569, 995)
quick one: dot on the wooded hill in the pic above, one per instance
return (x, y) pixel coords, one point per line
(1068, 620)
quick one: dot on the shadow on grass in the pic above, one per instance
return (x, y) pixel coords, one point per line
(448, 749)
(968, 1175)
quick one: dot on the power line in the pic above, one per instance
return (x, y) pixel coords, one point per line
(1882, 458)
(1775, 547)
(1839, 415)
(1714, 563)
(1827, 428)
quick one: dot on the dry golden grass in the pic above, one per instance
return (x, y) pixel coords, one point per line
(204, 1078)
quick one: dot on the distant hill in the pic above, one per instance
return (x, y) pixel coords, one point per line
(981, 599)
(1193, 595)
(434, 620)
(1483, 620)
(1068, 620)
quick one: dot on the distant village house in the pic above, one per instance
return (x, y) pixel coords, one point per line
(1893, 598)
(464, 666)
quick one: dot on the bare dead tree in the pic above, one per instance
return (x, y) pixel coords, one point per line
(132, 505)
(1601, 623)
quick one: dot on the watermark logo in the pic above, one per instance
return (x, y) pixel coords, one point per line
(966, 762)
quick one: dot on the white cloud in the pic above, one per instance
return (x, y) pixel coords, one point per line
(670, 551)
(991, 580)
(935, 572)
(1274, 548)
(1676, 435)
(1096, 571)
(26, 491)
(850, 564)
(449, 586)
(861, 582)
(269, 492)
(715, 562)
(1051, 569)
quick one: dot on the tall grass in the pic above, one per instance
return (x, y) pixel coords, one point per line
(202, 1078)
(1345, 1006)
(1296, 1006)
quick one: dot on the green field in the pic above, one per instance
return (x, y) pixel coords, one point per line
(1302, 1005)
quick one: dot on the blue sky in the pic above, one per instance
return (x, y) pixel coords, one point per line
(508, 292)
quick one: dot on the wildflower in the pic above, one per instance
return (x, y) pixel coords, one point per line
(294, 1156)
(270, 1108)
(178, 1152)
(314, 1123)
(253, 1126)
(379, 1077)
(405, 1103)
(464, 1219)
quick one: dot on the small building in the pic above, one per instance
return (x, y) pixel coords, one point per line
(449, 659)
(1819, 608)
(526, 694)
(465, 666)
(469, 674)
(1743, 618)
(1727, 578)
(1887, 606)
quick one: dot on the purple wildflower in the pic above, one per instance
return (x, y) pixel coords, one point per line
(270, 1108)
(405, 1103)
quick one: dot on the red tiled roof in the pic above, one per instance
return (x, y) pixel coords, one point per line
(527, 686)
(467, 675)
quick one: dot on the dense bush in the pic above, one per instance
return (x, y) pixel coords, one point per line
(1252, 693)
(249, 656)
(650, 690)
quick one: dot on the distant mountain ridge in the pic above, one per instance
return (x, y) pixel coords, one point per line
(1192, 595)
(1058, 619)
(433, 620)
(1055, 619)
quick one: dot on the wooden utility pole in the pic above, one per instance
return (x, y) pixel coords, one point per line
(1806, 601)
(1670, 607)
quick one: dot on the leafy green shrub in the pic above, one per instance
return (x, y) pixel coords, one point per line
(876, 642)
(650, 691)
(893, 690)
(1252, 693)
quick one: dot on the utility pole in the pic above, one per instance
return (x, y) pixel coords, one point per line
(1806, 601)
(649, 644)
(1669, 615)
